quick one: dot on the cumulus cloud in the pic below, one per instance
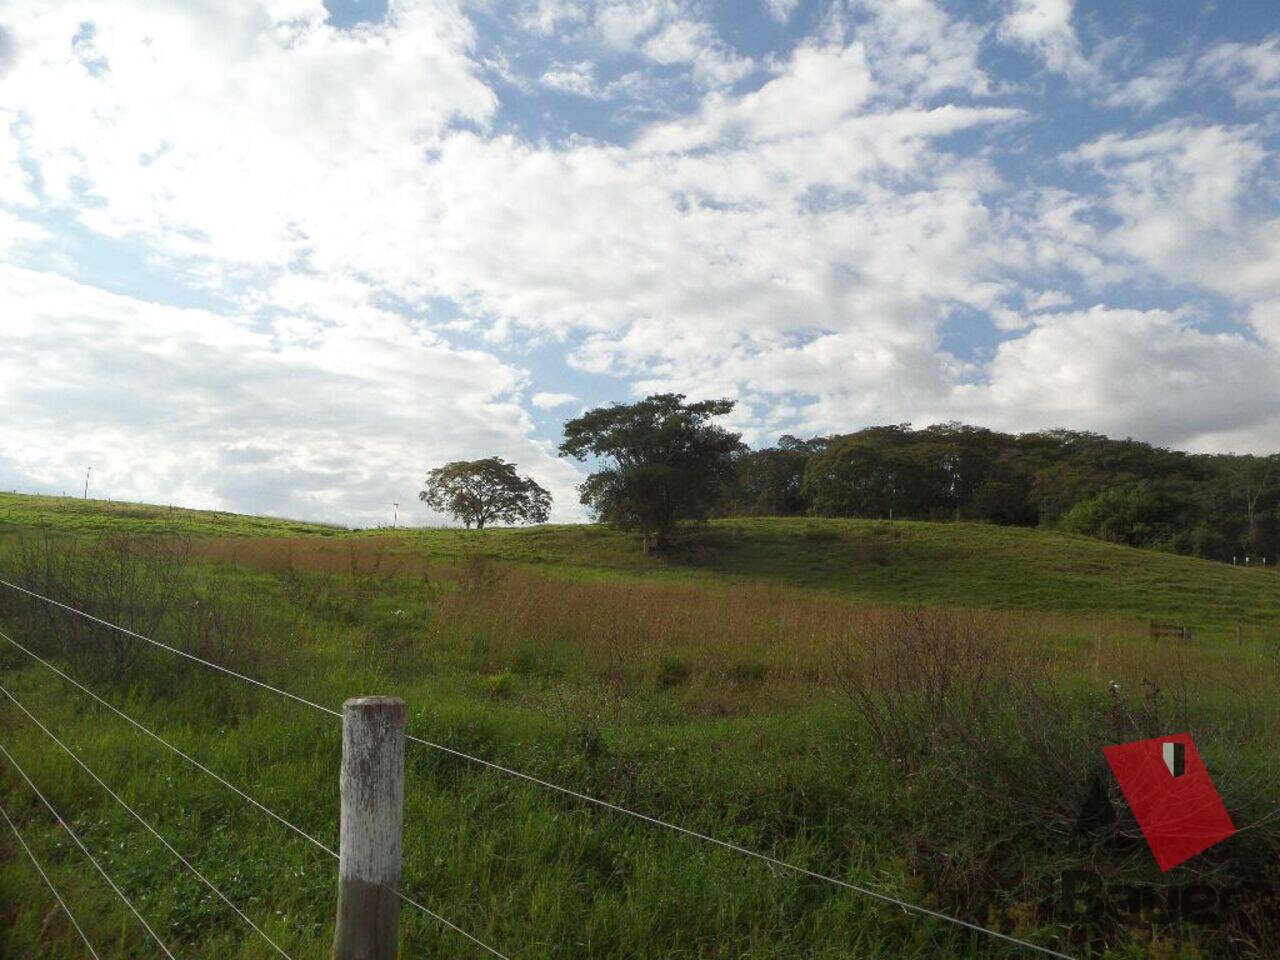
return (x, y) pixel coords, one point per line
(917, 48)
(547, 16)
(667, 32)
(1148, 373)
(816, 233)
(549, 401)
(233, 130)
(695, 43)
(196, 408)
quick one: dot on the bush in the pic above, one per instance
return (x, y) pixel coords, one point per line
(147, 586)
(976, 717)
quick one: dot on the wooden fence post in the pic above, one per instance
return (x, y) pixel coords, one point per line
(372, 785)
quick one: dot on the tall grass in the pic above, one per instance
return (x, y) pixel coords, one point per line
(941, 755)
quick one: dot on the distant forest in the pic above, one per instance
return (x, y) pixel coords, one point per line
(1217, 506)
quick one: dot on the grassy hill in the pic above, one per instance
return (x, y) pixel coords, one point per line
(904, 562)
(71, 514)
(771, 682)
(947, 564)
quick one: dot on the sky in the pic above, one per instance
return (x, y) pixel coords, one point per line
(284, 256)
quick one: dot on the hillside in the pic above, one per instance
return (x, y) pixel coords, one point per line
(74, 515)
(757, 684)
(960, 564)
(943, 564)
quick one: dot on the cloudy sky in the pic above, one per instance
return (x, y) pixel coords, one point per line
(284, 255)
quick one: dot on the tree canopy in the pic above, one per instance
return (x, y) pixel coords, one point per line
(1218, 506)
(661, 461)
(480, 492)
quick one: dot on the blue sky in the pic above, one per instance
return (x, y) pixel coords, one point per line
(284, 256)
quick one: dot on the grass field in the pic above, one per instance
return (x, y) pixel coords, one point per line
(20, 511)
(769, 683)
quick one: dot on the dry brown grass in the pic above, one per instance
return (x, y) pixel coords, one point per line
(364, 556)
(756, 644)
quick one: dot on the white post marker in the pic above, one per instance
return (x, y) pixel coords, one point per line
(372, 786)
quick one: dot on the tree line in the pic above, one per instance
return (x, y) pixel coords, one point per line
(662, 461)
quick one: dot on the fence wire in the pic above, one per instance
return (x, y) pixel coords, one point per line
(880, 896)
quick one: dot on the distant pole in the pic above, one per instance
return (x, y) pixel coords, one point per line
(395, 516)
(372, 787)
(86, 483)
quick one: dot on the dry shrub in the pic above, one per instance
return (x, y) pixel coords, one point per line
(921, 679)
(1029, 719)
(959, 699)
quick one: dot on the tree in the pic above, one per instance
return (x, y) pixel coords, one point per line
(663, 461)
(1140, 514)
(482, 491)
(769, 482)
(876, 472)
(1251, 476)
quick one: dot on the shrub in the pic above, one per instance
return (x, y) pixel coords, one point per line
(148, 586)
(499, 686)
(957, 702)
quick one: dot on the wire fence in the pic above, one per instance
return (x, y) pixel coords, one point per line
(879, 896)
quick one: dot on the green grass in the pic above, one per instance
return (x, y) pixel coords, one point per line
(20, 511)
(947, 564)
(695, 686)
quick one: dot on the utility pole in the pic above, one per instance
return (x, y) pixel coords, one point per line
(86, 482)
(395, 516)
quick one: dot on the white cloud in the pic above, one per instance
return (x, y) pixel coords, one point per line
(15, 180)
(16, 232)
(1184, 197)
(807, 245)
(549, 401)
(547, 16)
(1129, 372)
(695, 43)
(1044, 28)
(1250, 71)
(816, 88)
(234, 129)
(781, 10)
(191, 407)
(624, 23)
(578, 78)
(704, 254)
(1048, 299)
(1156, 85)
(667, 32)
(917, 49)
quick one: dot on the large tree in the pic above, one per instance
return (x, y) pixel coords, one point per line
(480, 492)
(769, 482)
(661, 461)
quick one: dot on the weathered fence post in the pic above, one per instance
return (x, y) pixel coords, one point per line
(372, 785)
